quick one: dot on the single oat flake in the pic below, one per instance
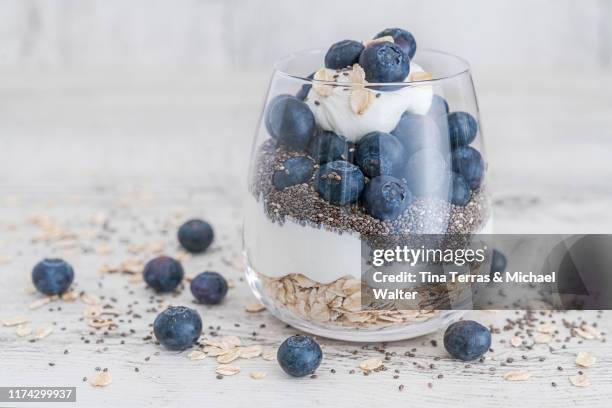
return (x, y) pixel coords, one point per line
(24, 330)
(15, 321)
(543, 338)
(196, 355)
(516, 341)
(585, 359)
(43, 332)
(255, 308)
(227, 369)
(258, 375)
(39, 303)
(360, 100)
(386, 38)
(228, 357)
(580, 380)
(250, 352)
(268, 355)
(517, 376)
(102, 379)
(370, 364)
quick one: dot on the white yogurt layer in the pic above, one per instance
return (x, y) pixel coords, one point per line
(334, 113)
(323, 256)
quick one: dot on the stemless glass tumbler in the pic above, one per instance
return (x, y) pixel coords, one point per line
(336, 158)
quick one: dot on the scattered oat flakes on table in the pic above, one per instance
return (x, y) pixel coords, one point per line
(15, 321)
(101, 379)
(370, 364)
(517, 376)
(580, 380)
(258, 375)
(227, 369)
(585, 359)
(255, 307)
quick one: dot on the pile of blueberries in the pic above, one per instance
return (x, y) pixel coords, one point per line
(425, 155)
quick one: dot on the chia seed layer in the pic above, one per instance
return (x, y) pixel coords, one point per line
(303, 205)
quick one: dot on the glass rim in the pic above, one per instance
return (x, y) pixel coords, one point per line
(465, 69)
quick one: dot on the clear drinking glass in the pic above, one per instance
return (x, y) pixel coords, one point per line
(325, 151)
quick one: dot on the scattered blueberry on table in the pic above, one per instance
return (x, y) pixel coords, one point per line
(384, 62)
(327, 146)
(295, 170)
(379, 154)
(467, 340)
(177, 327)
(386, 197)
(462, 128)
(402, 38)
(163, 274)
(209, 288)
(290, 121)
(343, 54)
(52, 276)
(299, 355)
(339, 182)
(195, 236)
(469, 163)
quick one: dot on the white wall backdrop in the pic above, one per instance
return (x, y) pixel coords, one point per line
(249, 34)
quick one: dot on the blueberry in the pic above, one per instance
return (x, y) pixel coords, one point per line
(417, 132)
(52, 276)
(305, 89)
(343, 54)
(339, 182)
(402, 38)
(209, 288)
(386, 197)
(296, 170)
(163, 273)
(468, 162)
(379, 154)
(426, 171)
(195, 236)
(384, 62)
(460, 190)
(327, 146)
(467, 340)
(299, 356)
(498, 261)
(178, 327)
(462, 128)
(290, 121)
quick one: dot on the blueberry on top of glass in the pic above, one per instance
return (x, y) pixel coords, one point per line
(343, 54)
(402, 38)
(384, 62)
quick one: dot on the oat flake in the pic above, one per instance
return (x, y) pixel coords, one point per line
(580, 380)
(585, 359)
(250, 352)
(268, 355)
(15, 321)
(370, 364)
(516, 341)
(517, 376)
(228, 357)
(101, 379)
(227, 369)
(258, 375)
(39, 303)
(255, 307)
(24, 330)
(543, 338)
(196, 355)
(43, 332)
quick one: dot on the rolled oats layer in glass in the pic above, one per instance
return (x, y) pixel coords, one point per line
(367, 139)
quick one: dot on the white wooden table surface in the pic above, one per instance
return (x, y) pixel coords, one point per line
(146, 153)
